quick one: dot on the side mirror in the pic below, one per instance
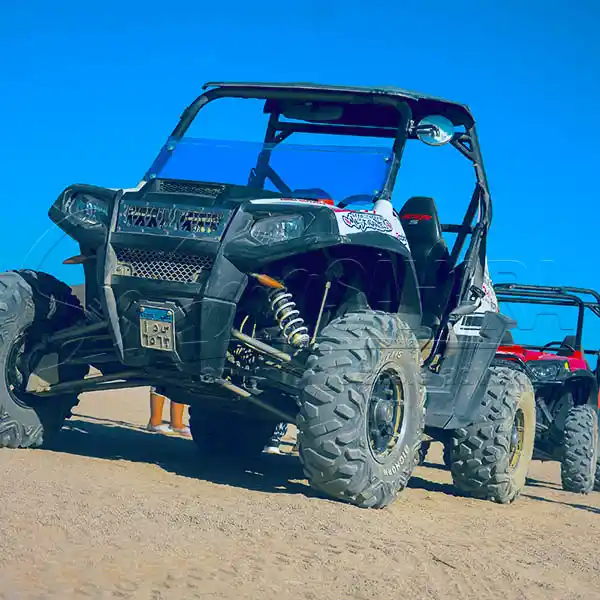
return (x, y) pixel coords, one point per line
(435, 130)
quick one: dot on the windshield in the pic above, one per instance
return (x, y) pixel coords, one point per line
(322, 171)
(540, 324)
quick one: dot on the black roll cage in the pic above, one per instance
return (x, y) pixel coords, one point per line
(553, 296)
(410, 108)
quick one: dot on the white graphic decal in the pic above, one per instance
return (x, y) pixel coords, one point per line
(367, 221)
(351, 222)
(471, 324)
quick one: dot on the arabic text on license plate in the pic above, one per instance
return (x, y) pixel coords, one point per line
(157, 328)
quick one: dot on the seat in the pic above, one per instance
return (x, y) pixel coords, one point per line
(571, 340)
(421, 223)
(507, 339)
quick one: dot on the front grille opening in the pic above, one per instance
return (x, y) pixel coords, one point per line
(177, 219)
(186, 187)
(161, 265)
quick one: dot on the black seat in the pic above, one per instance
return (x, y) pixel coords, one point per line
(430, 253)
(571, 340)
(507, 339)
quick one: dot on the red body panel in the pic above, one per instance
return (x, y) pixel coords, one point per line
(576, 360)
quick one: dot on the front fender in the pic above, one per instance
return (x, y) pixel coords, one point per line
(583, 386)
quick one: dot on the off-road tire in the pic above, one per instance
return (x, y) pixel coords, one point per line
(479, 454)
(228, 435)
(580, 450)
(33, 304)
(597, 478)
(335, 448)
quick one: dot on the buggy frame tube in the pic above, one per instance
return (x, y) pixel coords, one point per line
(336, 95)
(551, 296)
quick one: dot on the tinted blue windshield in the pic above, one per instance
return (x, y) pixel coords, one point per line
(339, 171)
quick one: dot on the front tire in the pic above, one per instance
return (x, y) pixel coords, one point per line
(490, 459)
(32, 305)
(580, 450)
(362, 409)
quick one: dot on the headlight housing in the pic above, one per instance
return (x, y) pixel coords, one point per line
(273, 230)
(548, 369)
(83, 212)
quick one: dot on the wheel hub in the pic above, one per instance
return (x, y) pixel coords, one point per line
(385, 414)
(517, 437)
(384, 411)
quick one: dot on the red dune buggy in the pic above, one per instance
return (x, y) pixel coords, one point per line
(566, 386)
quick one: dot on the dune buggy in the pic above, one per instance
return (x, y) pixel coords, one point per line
(566, 387)
(245, 280)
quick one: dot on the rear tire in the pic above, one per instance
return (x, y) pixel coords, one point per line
(362, 409)
(486, 460)
(32, 305)
(227, 435)
(580, 450)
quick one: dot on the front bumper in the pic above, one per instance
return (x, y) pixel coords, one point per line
(165, 251)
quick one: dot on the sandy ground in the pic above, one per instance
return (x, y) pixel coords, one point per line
(116, 512)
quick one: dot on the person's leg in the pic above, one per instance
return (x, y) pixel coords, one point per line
(157, 403)
(177, 425)
(273, 446)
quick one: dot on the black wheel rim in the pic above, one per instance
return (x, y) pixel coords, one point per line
(386, 414)
(15, 379)
(16, 373)
(516, 439)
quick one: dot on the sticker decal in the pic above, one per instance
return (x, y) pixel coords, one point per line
(354, 222)
(470, 325)
(367, 222)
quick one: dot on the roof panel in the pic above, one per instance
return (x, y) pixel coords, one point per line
(358, 90)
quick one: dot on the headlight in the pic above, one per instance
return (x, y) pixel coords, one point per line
(85, 210)
(547, 369)
(278, 229)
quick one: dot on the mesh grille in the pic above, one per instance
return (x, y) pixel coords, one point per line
(161, 265)
(180, 187)
(190, 187)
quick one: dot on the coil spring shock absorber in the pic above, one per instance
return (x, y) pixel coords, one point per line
(288, 318)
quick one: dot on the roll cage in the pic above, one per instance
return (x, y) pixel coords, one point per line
(554, 296)
(384, 112)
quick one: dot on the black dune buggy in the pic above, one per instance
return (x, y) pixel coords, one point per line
(566, 386)
(260, 282)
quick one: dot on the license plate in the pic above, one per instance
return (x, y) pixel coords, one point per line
(157, 328)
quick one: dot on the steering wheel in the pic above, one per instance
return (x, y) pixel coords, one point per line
(357, 199)
(560, 344)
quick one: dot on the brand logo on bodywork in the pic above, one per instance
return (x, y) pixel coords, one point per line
(367, 222)
(415, 217)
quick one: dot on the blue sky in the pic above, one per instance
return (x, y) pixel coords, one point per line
(91, 90)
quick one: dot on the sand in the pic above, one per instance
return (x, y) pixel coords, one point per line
(116, 512)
